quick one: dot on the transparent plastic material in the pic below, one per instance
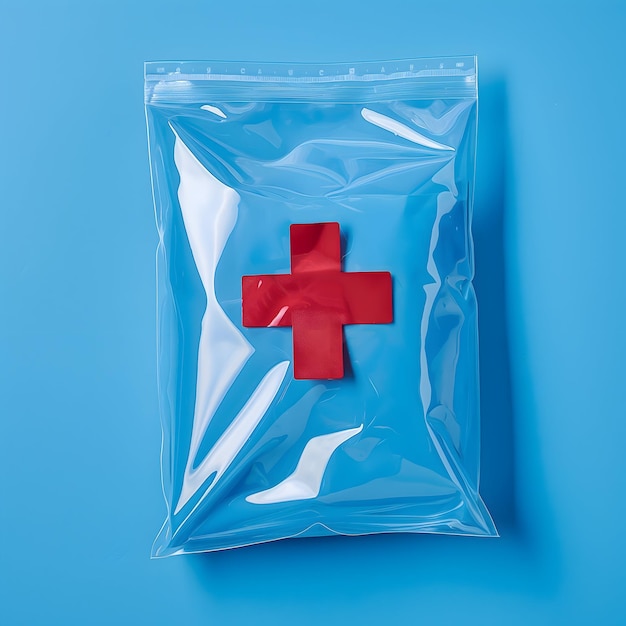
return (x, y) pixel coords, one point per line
(317, 337)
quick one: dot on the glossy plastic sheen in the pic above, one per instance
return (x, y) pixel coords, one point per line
(381, 157)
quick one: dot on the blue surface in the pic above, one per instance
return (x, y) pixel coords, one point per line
(80, 492)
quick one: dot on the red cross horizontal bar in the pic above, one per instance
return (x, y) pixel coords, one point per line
(317, 299)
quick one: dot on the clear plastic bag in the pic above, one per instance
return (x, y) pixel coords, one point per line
(317, 337)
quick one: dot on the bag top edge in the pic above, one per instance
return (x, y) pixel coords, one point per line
(246, 71)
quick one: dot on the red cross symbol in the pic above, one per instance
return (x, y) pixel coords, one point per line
(317, 299)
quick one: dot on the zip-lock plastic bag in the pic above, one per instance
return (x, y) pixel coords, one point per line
(317, 337)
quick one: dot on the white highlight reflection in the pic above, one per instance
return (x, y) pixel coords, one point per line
(401, 130)
(213, 109)
(306, 480)
(209, 209)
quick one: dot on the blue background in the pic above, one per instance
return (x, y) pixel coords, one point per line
(80, 498)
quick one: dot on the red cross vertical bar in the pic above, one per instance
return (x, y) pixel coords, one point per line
(317, 299)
